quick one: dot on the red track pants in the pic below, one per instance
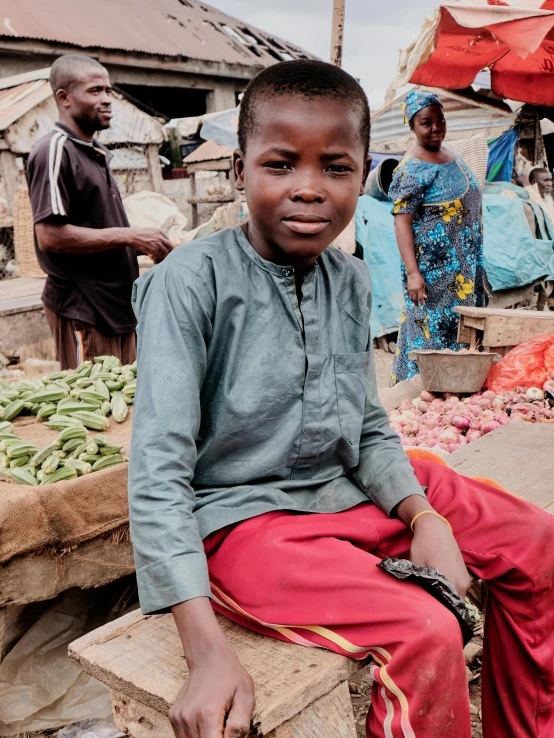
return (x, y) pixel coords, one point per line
(312, 579)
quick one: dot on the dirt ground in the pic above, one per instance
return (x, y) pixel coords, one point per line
(383, 367)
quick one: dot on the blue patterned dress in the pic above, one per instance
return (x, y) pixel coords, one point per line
(445, 201)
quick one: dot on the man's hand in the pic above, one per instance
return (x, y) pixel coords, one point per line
(434, 544)
(416, 288)
(150, 241)
(216, 700)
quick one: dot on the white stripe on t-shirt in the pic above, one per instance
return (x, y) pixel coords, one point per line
(55, 154)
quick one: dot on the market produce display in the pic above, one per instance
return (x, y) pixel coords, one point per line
(73, 454)
(88, 395)
(451, 421)
(72, 403)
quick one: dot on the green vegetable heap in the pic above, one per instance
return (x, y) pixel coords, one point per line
(69, 402)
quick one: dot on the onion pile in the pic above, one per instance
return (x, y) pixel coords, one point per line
(451, 421)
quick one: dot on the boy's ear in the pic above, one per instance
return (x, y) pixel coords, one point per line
(238, 169)
(367, 168)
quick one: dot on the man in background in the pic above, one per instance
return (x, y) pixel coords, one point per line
(540, 191)
(82, 234)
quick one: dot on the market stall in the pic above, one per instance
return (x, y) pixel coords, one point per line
(63, 487)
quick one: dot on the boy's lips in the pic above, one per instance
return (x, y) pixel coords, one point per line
(306, 224)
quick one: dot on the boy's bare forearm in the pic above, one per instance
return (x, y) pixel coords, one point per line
(199, 630)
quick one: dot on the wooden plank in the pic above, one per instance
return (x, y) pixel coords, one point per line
(141, 657)
(10, 175)
(476, 323)
(476, 312)
(154, 167)
(505, 330)
(331, 716)
(518, 456)
(217, 165)
(37, 577)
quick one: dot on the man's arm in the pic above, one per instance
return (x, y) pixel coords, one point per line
(64, 238)
(174, 309)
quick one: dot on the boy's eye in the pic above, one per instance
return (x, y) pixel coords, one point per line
(280, 165)
(338, 169)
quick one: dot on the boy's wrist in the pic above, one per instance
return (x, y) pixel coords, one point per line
(200, 633)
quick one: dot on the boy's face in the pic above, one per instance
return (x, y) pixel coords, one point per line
(303, 171)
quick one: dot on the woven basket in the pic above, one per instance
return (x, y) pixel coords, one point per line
(24, 234)
(475, 152)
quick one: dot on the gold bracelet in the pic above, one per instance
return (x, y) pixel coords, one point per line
(428, 512)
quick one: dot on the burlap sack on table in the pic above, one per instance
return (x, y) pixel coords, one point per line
(67, 513)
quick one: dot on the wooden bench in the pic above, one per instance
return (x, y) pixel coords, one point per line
(300, 692)
(501, 330)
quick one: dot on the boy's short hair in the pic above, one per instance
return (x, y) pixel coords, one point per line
(68, 70)
(309, 79)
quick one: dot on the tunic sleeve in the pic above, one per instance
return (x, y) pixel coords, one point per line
(407, 190)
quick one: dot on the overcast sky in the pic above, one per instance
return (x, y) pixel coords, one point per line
(374, 31)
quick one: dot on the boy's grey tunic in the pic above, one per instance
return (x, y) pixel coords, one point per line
(248, 402)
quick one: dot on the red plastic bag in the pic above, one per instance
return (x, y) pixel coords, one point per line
(528, 365)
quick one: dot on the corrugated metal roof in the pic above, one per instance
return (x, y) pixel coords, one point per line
(28, 112)
(464, 115)
(209, 151)
(183, 28)
(16, 101)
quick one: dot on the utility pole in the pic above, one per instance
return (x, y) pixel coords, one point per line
(337, 32)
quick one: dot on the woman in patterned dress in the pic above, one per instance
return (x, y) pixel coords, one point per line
(438, 226)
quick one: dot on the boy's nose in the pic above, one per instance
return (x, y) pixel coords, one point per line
(307, 192)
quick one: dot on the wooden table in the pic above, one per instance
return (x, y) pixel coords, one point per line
(519, 456)
(501, 330)
(22, 319)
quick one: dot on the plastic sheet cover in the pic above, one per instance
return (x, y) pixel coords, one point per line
(375, 233)
(513, 257)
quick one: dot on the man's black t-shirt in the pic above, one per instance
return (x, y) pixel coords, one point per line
(70, 182)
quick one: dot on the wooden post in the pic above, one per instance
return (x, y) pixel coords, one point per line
(154, 168)
(10, 176)
(337, 32)
(193, 203)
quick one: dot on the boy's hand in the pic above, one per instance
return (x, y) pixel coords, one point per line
(434, 543)
(217, 700)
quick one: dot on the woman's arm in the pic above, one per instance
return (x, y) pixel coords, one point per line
(403, 223)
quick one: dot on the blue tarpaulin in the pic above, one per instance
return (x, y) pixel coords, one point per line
(513, 257)
(501, 156)
(375, 233)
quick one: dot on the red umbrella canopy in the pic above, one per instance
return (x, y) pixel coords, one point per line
(513, 38)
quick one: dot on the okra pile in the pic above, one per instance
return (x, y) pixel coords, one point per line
(85, 396)
(73, 453)
(69, 402)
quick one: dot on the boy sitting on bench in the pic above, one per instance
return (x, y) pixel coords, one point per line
(264, 474)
